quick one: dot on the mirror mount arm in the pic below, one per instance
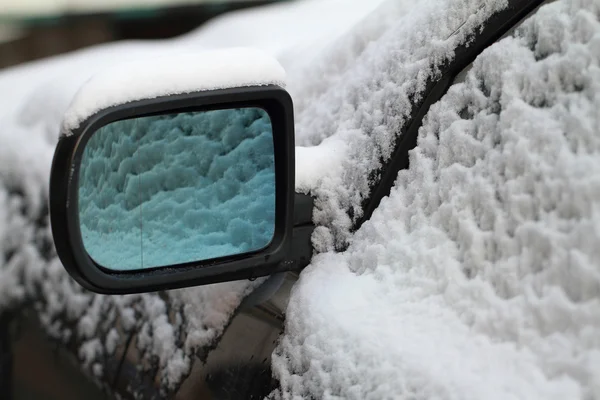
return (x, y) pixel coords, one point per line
(302, 248)
(300, 256)
(303, 209)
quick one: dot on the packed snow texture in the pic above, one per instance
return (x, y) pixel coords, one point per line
(397, 304)
(145, 78)
(479, 276)
(361, 93)
(171, 189)
(169, 329)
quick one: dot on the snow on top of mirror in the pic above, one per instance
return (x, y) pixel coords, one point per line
(174, 72)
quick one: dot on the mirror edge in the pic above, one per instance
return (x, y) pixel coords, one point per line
(64, 207)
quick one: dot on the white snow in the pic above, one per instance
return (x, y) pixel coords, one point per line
(362, 91)
(479, 276)
(172, 73)
(33, 100)
(315, 164)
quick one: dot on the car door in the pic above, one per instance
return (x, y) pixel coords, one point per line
(246, 333)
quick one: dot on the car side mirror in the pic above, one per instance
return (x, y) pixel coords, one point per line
(176, 190)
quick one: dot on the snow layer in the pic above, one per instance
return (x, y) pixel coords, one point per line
(397, 305)
(361, 93)
(297, 32)
(172, 189)
(479, 276)
(171, 328)
(155, 76)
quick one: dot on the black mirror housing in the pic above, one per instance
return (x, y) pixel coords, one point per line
(64, 195)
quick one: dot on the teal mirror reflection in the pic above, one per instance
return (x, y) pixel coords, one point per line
(170, 189)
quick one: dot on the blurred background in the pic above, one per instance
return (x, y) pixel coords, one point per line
(33, 29)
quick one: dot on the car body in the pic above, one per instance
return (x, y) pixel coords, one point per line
(364, 98)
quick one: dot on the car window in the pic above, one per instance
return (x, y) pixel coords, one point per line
(478, 276)
(355, 95)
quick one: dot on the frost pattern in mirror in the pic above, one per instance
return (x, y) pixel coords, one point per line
(170, 189)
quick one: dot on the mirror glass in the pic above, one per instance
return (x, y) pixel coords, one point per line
(169, 189)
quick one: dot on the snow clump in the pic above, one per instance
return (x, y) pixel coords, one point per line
(479, 276)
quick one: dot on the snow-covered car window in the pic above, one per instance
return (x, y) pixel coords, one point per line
(163, 333)
(476, 278)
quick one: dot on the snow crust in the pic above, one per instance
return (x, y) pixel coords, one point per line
(362, 92)
(450, 291)
(169, 329)
(296, 32)
(172, 189)
(479, 276)
(155, 76)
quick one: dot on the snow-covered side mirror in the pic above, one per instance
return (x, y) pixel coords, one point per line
(160, 188)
